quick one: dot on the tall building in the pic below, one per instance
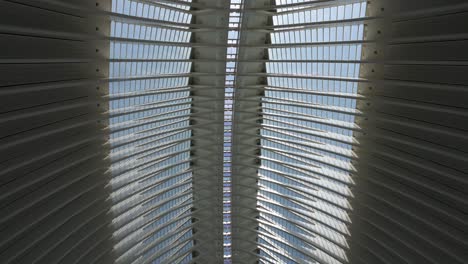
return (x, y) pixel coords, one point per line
(234, 131)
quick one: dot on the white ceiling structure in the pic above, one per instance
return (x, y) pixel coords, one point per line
(284, 79)
(233, 131)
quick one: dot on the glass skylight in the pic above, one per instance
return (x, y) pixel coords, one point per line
(307, 133)
(230, 84)
(307, 111)
(149, 111)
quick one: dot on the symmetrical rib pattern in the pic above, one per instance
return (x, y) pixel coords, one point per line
(230, 131)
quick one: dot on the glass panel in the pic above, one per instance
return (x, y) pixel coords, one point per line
(307, 132)
(149, 111)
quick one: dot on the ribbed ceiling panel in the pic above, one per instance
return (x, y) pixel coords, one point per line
(410, 203)
(53, 173)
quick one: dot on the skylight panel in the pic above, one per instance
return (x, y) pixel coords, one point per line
(230, 86)
(149, 111)
(310, 100)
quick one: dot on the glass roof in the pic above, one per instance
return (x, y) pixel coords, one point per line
(230, 84)
(307, 125)
(149, 112)
(308, 121)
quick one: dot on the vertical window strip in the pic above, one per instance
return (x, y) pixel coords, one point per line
(235, 18)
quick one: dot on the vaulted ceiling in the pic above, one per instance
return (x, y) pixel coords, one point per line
(231, 131)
